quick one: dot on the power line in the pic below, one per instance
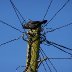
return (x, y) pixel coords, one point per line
(59, 58)
(19, 67)
(62, 50)
(61, 46)
(46, 62)
(57, 12)
(10, 26)
(51, 43)
(49, 61)
(10, 41)
(59, 27)
(44, 67)
(16, 10)
(48, 9)
(41, 62)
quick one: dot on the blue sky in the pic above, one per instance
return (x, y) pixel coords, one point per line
(13, 54)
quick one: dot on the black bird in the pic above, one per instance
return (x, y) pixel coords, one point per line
(34, 24)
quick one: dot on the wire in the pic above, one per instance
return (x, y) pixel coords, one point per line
(51, 43)
(10, 26)
(44, 67)
(10, 41)
(49, 61)
(60, 58)
(57, 12)
(46, 62)
(16, 10)
(62, 50)
(48, 9)
(48, 44)
(19, 67)
(59, 27)
(41, 62)
(61, 46)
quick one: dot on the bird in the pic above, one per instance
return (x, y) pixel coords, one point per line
(33, 24)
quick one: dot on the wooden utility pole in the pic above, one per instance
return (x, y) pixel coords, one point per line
(34, 43)
(34, 29)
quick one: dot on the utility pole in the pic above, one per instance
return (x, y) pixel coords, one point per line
(34, 29)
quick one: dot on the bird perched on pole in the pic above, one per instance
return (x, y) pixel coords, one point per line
(33, 24)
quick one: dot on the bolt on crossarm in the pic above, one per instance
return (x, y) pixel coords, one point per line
(34, 28)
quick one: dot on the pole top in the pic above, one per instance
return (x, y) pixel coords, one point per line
(33, 24)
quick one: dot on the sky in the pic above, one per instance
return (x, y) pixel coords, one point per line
(13, 54)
